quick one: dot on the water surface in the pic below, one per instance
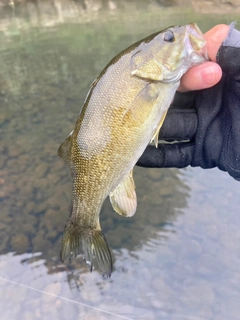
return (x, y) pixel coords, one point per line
(177, 258)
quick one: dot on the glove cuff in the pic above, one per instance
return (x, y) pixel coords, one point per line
(228, 56)
(233, 37)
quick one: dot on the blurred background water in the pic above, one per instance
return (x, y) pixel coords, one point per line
(179, 256)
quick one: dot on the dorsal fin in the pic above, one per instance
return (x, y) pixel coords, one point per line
(65, 149)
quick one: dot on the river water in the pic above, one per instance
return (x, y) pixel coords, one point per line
(177, 258)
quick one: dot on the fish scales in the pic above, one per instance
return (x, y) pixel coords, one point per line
(123, 111)
(102, 156)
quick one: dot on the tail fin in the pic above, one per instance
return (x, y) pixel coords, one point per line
(90, 243)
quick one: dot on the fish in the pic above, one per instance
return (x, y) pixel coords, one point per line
(122, 113)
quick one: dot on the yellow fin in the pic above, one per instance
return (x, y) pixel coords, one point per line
(123, 198)
(156, 134)
(89, 242)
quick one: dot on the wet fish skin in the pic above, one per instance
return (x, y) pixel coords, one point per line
(123, 111)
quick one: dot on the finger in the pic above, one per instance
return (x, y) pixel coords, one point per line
(179, 125)
(201, 77)
(178, 155)
(215, 38)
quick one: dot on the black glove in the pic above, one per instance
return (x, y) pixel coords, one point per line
(209, 119)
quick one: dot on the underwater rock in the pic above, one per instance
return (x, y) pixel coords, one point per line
(20, 243)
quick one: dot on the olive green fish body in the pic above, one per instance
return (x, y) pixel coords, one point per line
(123, 111)
(107, 145)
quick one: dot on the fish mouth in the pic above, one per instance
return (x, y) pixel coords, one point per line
(195, 52)
(195, 44)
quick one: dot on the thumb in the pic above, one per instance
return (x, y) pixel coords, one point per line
(215, 38)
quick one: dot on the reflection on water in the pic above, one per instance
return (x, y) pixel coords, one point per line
(177, 258)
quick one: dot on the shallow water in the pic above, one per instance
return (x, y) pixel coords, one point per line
(177, 258)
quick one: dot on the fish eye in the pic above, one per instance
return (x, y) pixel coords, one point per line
(168, 36)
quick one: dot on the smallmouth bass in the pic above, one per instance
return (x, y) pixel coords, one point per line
(123, 111)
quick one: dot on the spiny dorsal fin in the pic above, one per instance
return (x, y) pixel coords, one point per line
(65, 149)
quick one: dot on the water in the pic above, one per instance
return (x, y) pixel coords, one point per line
(177, 258)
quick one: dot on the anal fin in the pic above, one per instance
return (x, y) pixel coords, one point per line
(123, 198)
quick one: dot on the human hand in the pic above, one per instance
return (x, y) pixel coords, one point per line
(209, 73)
(205, 122)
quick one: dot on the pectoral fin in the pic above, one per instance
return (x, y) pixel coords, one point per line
(156, 134)
(144, 65)
(123, 198)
